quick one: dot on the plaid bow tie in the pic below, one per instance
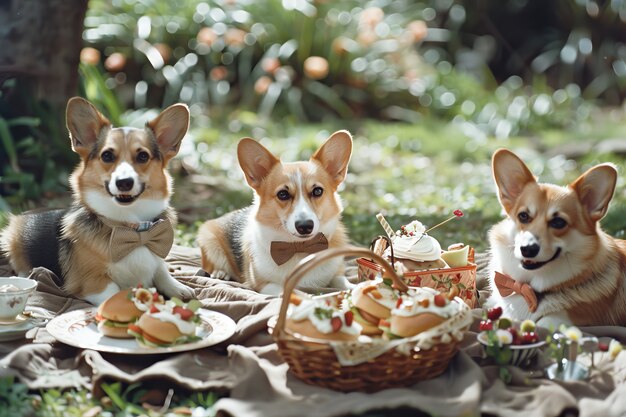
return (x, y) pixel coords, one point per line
(157, 236)
(283, 251)
(507, 286)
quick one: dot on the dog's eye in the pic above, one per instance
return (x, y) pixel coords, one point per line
(107, 156)
(283, 195)
(317, 192)
(143, 157)
(557, 223)
(524, 217)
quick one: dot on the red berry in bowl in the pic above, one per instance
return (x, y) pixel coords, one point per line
(529, 337)
(485, 325)
(494, 313)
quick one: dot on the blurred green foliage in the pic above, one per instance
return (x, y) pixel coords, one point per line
(314, 60)
(35, 157)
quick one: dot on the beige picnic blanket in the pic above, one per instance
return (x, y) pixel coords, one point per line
(253, 380)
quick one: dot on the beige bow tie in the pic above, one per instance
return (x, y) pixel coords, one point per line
(157, 236)
(283, 251)
(507, 286)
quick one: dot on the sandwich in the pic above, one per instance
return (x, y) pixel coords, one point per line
(320, 318)
(372, 301)
(168, 324)
(123, 308)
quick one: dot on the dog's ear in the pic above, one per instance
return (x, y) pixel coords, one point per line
(84, 123)
(334, 155)
(511, 175)
(595, 189)
(255, 161)
(169, 129)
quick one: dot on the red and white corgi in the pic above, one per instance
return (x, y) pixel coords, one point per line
(120, 225)
(296, 211)
(550, 253)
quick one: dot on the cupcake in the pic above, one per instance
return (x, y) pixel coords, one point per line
(415, 249)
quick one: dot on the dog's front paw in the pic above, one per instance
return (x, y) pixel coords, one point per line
(223, 275)
(179, 290)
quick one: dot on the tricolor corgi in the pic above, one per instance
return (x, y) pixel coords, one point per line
(550, 260)
(120, 225)
(296, 211)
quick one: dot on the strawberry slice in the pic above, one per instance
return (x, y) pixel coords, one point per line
(349, 318)
(399, 302)
(154, 309)
(184, 313)
(336, 324)
(155, 297)
(440, 300)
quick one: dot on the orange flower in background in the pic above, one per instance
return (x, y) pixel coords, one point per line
(262, 84)
(270, 65)
(164, 50)
(316, 67)
(89, 56)
(371, 16)
(234, 37)
(417, 30)
(206, 36)
(218, 73)
(115, 62)
(366, 37)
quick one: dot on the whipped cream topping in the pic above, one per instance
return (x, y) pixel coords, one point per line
(320, 313)
(411, 242)
(166, 314)
(413, 304)
(8, 288)
(143, 298)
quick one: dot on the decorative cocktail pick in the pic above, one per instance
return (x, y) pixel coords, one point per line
(457, 213)
(390, 233)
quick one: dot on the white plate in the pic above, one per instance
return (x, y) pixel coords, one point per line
(78, 328)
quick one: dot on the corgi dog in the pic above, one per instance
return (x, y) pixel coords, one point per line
(296, 211)
(550, 260)
(120, 225)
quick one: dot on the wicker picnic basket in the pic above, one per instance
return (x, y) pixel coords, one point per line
(464, 277)
(315, 361)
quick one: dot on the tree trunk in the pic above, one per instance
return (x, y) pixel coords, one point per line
(42, 39)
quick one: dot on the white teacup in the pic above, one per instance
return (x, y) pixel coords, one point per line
(14, 292)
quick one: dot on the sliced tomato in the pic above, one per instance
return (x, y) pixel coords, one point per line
(184, 313)
(153, 339)
(99, 317)
(135, 328)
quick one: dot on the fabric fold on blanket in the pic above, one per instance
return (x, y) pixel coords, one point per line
(255, 381)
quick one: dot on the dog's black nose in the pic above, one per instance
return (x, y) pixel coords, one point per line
(530, 251)
(124, 184)
(304, 227)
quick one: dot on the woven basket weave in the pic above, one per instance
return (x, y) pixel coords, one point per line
(314, 361)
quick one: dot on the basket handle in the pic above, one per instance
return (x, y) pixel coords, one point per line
(311, 261)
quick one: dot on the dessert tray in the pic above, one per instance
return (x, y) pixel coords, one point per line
(79, 328)
(370, 363)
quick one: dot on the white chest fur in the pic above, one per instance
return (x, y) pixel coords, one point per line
(139, 266)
